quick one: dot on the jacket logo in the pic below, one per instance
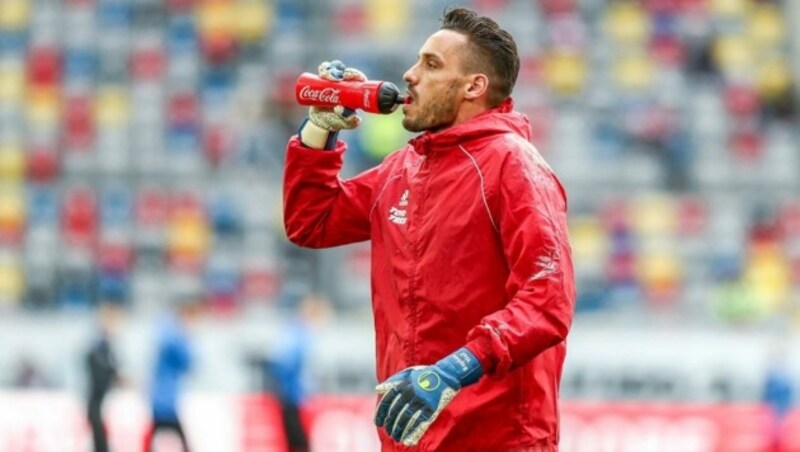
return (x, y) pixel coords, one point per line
(399, 216)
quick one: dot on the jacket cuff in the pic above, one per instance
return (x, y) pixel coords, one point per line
(482, 349)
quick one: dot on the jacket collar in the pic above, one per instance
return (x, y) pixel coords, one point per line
(501, 119)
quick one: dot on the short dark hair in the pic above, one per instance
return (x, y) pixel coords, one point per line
(493, 50)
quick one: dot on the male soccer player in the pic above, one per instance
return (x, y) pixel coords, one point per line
(472, 279)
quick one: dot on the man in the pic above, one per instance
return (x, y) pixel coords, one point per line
(101, 364)
(472, 280)
(174, 359)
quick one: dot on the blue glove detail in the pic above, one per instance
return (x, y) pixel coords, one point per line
(332, 70)
(414, 397)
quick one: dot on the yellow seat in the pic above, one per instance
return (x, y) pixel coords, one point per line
(216, 19)
(12, 83)
(773, 78)
(660, 272)
(44, 106)
(112, 106)
(13, 163)
(730, 7)
(565, 72)
(765, 26)
(655, 216)
(253, 19)
(627, 23)
(12, 283)
(14, 14)
(387, 18)
(768, 275)
(590, 243)
(734, 54)
(634, 72)
(12, 210)
(188, 235)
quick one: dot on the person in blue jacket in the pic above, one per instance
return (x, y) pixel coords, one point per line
(286, 366)
(174, 359)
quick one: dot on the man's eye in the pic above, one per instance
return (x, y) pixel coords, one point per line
(431, 65)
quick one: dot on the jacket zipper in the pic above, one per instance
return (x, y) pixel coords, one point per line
(416, 240)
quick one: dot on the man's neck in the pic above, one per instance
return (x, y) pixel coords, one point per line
(468, 111)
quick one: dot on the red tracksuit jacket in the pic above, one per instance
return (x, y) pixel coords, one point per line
(469, 246)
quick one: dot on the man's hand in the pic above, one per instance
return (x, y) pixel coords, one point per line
(320, 130)
(413, 398)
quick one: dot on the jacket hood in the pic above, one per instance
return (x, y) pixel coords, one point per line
(499, 120)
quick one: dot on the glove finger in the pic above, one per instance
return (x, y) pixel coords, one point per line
(428, 417)
(416, 432)
(352, 121)
(412, 424)
(394, 409)
(338, 64)
(348, 115)
(383, 388)
(330, 120)
(393, 381)
(389, 394)
(420, 405)
(329, 71)
(353, 74)
(325, 119)
(399, 425)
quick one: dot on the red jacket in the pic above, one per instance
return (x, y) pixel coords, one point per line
(469, 246)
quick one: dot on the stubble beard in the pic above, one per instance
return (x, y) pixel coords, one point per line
(437, 113)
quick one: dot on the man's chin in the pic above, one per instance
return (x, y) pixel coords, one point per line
(410, 125)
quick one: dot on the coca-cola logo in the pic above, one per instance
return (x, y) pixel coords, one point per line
(325, 95)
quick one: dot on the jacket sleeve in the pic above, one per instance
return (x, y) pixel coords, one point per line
(533, 231)
(320, 209)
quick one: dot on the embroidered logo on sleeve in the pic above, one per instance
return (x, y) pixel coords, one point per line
(397, 215)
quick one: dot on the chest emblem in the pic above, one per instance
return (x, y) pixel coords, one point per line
(398, 215)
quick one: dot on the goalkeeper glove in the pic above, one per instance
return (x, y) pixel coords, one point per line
(321, 129)
(413, 398)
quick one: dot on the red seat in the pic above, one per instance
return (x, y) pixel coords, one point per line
(43, 165)
(555, 6)
(44, 66)
(151, 207)
(741, 100)
(147, 64)
(182, 109)
(78, 122)
(79, 217)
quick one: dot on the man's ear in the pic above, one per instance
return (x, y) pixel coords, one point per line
(477, 86)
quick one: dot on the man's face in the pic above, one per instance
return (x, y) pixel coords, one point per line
(434, 83)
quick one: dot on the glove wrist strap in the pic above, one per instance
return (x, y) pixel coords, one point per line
(462, 365)
(316, 137)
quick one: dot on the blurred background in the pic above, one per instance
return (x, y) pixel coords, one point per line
(141, 150)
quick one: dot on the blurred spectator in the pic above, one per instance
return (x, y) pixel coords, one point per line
(29, 375)
(103, 372)
(174, 359)
(285, 367)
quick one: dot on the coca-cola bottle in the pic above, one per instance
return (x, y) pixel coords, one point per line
(373, 96)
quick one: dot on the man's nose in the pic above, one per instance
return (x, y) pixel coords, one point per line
(409, 76)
